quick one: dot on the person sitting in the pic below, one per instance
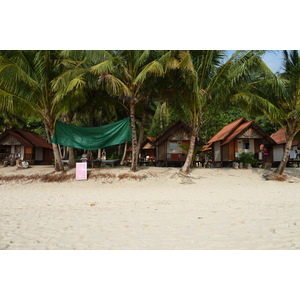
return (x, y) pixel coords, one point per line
(84, 158)
(22, 164)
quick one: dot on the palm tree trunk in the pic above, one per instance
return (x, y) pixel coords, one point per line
(141, 135)
(134, 138)
(47, 133)
(160, 117)
(57, 158)
(58, 165)
(72, 163)
(189, 159)
(286, 155)
(99, 154)
(124, 155)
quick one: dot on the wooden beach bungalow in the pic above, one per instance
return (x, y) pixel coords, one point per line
(26, 144)
(148, 150)
(172, 145)
(240, 136)
(280, 138)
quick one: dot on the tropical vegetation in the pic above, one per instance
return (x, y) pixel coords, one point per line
(154, 88)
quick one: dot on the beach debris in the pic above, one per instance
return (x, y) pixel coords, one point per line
(50, 177)
(274, 176)
(184, 179)
(92, 204)
(63, 176)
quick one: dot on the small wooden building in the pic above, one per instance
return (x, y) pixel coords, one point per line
(26, 144)
(148, 149)
(280, 138)
(240, 136)
(172, 145)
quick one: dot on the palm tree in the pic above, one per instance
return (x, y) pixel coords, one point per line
(26, 87)
(128, 75)
(278, 97)
(205, 81)
(88, 104)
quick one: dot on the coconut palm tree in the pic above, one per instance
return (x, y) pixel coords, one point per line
(26, 87)
(205, 81)
(128, 75)
(88, 104)
(278, 97)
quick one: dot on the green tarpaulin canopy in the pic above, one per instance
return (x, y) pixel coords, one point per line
(92, 138)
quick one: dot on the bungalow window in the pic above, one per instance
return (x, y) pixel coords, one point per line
(246, 145)
(174, 147)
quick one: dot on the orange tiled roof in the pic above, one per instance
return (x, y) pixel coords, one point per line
(151, 139)
(233, 129)
(280, 138)
(236, 132)
(207, 147)
(226, 131)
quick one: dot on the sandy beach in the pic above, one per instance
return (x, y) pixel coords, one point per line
(159, 209)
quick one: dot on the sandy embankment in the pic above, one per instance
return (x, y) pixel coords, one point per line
(212, 209)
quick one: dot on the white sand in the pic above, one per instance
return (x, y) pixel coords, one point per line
(213, 209)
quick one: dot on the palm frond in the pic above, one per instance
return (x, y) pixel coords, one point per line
(153, 67)
(114, 86)
(103, 67)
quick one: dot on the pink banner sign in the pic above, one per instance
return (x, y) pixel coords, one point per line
(81, 171)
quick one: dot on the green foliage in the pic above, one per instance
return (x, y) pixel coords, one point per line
(247, 158)
(268, 126)
(215, 120)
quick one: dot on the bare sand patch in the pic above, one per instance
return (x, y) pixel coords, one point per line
(154, 208)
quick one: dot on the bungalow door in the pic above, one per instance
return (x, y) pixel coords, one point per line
(18, 149)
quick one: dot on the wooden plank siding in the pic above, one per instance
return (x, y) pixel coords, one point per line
(225, 153)
(231, 150)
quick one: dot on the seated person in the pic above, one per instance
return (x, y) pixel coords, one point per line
(84, 158)
(22, 164)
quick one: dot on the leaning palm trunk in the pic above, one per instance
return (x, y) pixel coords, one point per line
(124, 155)
(58, 165)
(134, 138)
(47, 133)
(57, 158)
(72, 162)
(141, 136)
(286, 155)
(189, 159)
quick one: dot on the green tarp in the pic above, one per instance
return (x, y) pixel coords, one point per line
(92, 138)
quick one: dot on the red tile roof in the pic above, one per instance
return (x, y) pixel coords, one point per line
(235, 128)
(207, 147)
(280, 138)
(236, 132)
(223, 133)
(151, 139)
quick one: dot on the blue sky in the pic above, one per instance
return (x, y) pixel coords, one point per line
(273, 59)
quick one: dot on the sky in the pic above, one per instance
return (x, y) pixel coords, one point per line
(272, 58)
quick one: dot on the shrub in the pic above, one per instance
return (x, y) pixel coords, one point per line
(248, 158)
